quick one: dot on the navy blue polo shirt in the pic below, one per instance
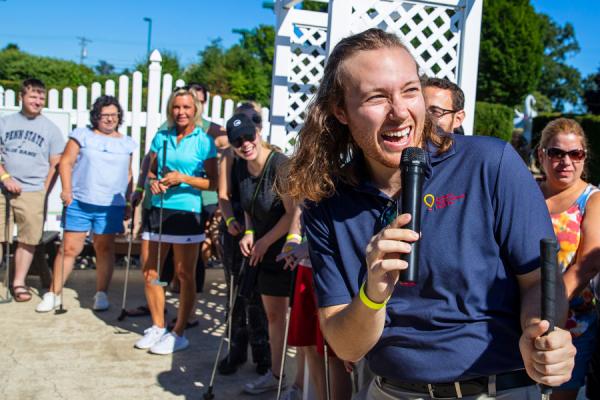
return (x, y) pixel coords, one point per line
(483, 216)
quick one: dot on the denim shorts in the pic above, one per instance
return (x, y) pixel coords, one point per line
(85, 217)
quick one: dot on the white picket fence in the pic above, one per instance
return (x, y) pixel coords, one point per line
(130, 92)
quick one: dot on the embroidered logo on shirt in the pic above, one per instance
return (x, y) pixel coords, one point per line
(441, 202)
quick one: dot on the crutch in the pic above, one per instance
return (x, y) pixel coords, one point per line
(129, 245)
(60, 310)
(326, 362)
(164, 170)
(209, 395)
(548, 252)
(8, 297)
(285, 334)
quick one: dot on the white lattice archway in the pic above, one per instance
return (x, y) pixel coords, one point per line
(442, 35)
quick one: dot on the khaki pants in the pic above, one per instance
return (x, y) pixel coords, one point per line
(378, 391)
(27, 211)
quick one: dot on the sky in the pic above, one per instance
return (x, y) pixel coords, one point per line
(118, 32)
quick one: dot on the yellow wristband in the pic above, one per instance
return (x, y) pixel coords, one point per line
(229, 220)
(249, 232)
(139, 189)
(292, 236)
(4, 176)
(368, 302)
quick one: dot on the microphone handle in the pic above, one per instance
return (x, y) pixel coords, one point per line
(412, 192)
(548, 250)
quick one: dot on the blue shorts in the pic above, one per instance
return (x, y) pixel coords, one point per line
(101, 220)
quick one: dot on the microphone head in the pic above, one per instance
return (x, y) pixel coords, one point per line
(413, 156)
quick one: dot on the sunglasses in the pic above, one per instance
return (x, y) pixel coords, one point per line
(248, 137)
(558, 154)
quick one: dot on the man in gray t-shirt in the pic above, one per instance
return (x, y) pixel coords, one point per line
(30, 147)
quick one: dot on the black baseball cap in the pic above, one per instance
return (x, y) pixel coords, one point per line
(238, 126)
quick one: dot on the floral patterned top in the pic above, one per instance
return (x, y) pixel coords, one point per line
(567, 227)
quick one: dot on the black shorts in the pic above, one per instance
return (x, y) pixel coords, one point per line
(273, 280)
(182, 227)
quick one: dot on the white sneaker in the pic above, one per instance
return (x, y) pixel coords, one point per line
(169, 343)
(101, 301)
(265, 383)
(151, 336)
(295, 393)
(49, 302)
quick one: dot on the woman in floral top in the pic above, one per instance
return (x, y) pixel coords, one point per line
(574, 206)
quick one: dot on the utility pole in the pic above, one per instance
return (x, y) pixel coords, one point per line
(83, 41)
(149, 21)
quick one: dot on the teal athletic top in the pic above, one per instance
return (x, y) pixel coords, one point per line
(187, 157)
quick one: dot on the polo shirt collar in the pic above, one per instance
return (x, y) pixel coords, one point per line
(432, 149)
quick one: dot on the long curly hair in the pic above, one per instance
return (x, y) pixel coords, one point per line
(325, 151)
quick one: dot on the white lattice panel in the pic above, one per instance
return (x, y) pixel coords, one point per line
(432, 33)
(307, 60)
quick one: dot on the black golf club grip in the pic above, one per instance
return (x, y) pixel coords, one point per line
(164, 168)
(548, 249)
(549, 262)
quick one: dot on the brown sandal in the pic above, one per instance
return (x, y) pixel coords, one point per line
(21, 296)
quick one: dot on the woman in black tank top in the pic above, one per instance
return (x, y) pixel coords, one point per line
(253, 166)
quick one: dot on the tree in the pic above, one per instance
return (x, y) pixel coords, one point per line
(591, 93)
(104, 68)
(314, 6)
(559, 81)
(511, 51)
(243, 71)
(16, 66)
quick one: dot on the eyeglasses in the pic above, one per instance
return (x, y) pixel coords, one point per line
(439, 112)
(249, 137)
(558, 154)
(109, 116)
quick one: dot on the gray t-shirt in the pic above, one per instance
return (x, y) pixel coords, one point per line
(26, 146)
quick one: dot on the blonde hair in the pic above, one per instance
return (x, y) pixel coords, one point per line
(197, 105)
(325, 150)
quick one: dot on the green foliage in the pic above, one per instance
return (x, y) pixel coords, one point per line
(242, 72)
(591, 127)
(104, 68)
(314, 6)
(16, 65)
(493, 120)
(591, 93)
(511, 51)
(559, 81)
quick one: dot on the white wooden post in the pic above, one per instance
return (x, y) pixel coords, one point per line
(136, 117)
(96, 92)
(124, 101)
(82, 107)
(109, 87)
(167, 89)
(152, 107)
(53, 99)
(9, 98)
(229, 107)
(469, 60)
(216, 110)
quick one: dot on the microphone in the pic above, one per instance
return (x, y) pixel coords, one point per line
(412, 167)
